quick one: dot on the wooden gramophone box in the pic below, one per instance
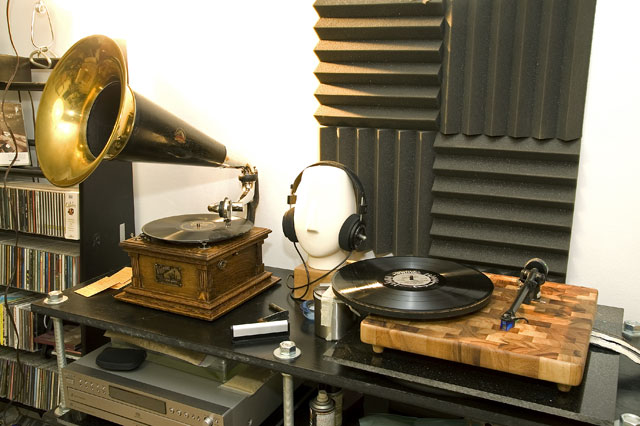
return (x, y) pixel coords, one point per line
(200, 282)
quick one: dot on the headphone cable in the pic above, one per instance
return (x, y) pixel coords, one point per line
(309, 283)
(306, 270)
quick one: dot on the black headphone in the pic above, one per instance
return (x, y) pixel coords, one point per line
(353, 230)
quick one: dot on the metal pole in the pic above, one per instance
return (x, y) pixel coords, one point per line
(287, 399)
(62, 363)
(55, 298)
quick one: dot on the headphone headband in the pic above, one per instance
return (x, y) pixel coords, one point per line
(353, 230)
(355, 181)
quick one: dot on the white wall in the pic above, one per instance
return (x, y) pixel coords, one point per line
(243, 73)
(605, 241)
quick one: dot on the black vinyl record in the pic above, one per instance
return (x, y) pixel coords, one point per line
(196, 228)
(412, 287)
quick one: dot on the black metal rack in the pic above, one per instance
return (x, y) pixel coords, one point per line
(455, 389)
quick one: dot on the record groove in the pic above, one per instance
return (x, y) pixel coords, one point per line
(412, 287)
(196, 228)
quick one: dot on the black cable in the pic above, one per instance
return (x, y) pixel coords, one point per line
(306, 270)
(309, 283)
(33, 111)
(33, 120)
(13, 208)
(317, 279)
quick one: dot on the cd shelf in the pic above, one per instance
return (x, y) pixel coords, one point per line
(36, 387)
(28, 324)
(42, 209)
(43, 265)
(102, 210)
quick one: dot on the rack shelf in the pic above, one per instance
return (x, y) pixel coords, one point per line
(24, 171)
(22, 85)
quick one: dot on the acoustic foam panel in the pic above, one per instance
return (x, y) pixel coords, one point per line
(380, 63)
(491, 202)
(499, 201)
(395, 167)
(516, 68)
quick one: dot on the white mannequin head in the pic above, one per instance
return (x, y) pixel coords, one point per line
(325, 199)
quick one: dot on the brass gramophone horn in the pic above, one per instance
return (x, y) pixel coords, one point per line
(88, 113)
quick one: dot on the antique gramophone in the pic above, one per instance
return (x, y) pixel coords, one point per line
(200, 265)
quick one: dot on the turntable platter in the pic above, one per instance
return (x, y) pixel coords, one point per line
(412, 287)
(196, 228)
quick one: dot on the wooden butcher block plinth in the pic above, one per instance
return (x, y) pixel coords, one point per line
(552, 346)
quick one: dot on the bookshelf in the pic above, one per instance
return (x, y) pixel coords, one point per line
(105, 217)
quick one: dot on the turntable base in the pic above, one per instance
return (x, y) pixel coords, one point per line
(552, 346)
(194, 281)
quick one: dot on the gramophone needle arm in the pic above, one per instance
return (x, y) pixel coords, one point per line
(225, 208)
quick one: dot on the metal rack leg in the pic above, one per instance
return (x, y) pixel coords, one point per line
(287, 399)
(56, 297)
(62, 362)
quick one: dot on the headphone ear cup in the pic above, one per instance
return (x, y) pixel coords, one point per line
(288, 226)
(352, 233)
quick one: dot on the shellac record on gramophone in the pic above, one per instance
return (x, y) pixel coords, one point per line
(196, 228)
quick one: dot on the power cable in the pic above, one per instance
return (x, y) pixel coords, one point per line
(13, 209)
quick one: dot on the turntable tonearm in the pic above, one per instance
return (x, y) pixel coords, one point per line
(88, 113)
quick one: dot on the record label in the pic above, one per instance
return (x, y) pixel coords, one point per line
(412, 287)
(198, 225)
(410, 279)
